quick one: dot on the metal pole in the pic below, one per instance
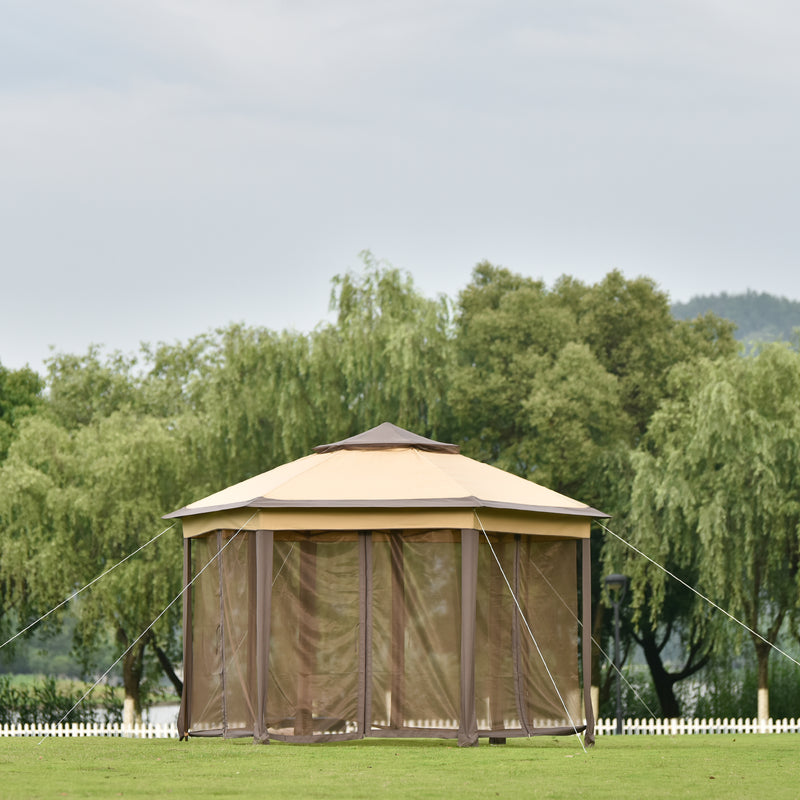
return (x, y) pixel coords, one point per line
(617, 664)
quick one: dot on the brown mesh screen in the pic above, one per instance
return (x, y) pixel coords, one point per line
(548, 572)
(416, 634)
(223, 609)
(206, 689)
(237, 568)
(513, 689)
(365, 635)
(495, 676)
(314, 647)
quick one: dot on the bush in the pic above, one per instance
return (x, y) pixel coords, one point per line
(784, 688)
(47, 702)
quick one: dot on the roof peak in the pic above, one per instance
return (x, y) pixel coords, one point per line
(386, 436)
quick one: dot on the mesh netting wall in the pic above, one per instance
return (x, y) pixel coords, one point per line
(513, 691)
(314, 651)
(206, 688)
(416, 631)
(223, 620)
(365, 635)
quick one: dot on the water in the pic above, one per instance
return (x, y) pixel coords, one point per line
(162, 714)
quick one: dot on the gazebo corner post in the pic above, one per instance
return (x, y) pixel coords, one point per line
(586, 638)
(264, 558)
(468, 724)
(364, 711)
(398, 631)
(496, 630)
(184, 714)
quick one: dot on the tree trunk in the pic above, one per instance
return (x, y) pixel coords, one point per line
(166, 665)
(763, 649)
(762, 656)
(132, 668)
(663, 682)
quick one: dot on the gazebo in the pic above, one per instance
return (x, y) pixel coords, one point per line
(385, 585)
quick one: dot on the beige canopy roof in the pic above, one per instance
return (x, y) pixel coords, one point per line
(388, 478)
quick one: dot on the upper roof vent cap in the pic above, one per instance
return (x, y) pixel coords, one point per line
(386, 436)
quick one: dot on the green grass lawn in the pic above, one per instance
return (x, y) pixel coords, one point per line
(730, 766)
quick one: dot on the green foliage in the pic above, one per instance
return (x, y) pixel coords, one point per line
(238, 398)
(628, 325)
(729, 684)
(250, 399)
(715, 497)
(638, 695)
(390, 349)
(77, 494)
(575, 424)
(507, 333)
(784, 688)
(46, 649)
(20, 395)
(713, 492)
(122, 440)
(558, 385)
(48, 702)
(86, 387)
(629, 328)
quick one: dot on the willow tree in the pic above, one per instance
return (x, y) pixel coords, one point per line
(73, 504)
(85, 483)
(716, 496)
(388, 352)
(261, 397)
(256, 398)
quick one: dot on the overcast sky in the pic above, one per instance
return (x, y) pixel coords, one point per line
(170, 166)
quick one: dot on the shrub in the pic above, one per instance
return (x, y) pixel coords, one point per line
(49, 702)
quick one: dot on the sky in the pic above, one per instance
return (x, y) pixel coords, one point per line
(168, 167)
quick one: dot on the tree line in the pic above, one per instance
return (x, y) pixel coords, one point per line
(759, 317)
(596, 391)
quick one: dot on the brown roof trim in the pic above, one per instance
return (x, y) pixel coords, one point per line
(424, 502)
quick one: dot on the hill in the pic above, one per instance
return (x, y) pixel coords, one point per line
(759, 317)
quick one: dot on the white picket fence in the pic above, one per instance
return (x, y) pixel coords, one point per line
(679, 727)
(144, 731)
(603, 727)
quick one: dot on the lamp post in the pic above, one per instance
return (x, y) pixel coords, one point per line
(617, 585)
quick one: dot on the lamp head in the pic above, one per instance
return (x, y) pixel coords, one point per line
(616, 583)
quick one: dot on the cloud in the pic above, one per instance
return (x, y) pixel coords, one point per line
(172, 152)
